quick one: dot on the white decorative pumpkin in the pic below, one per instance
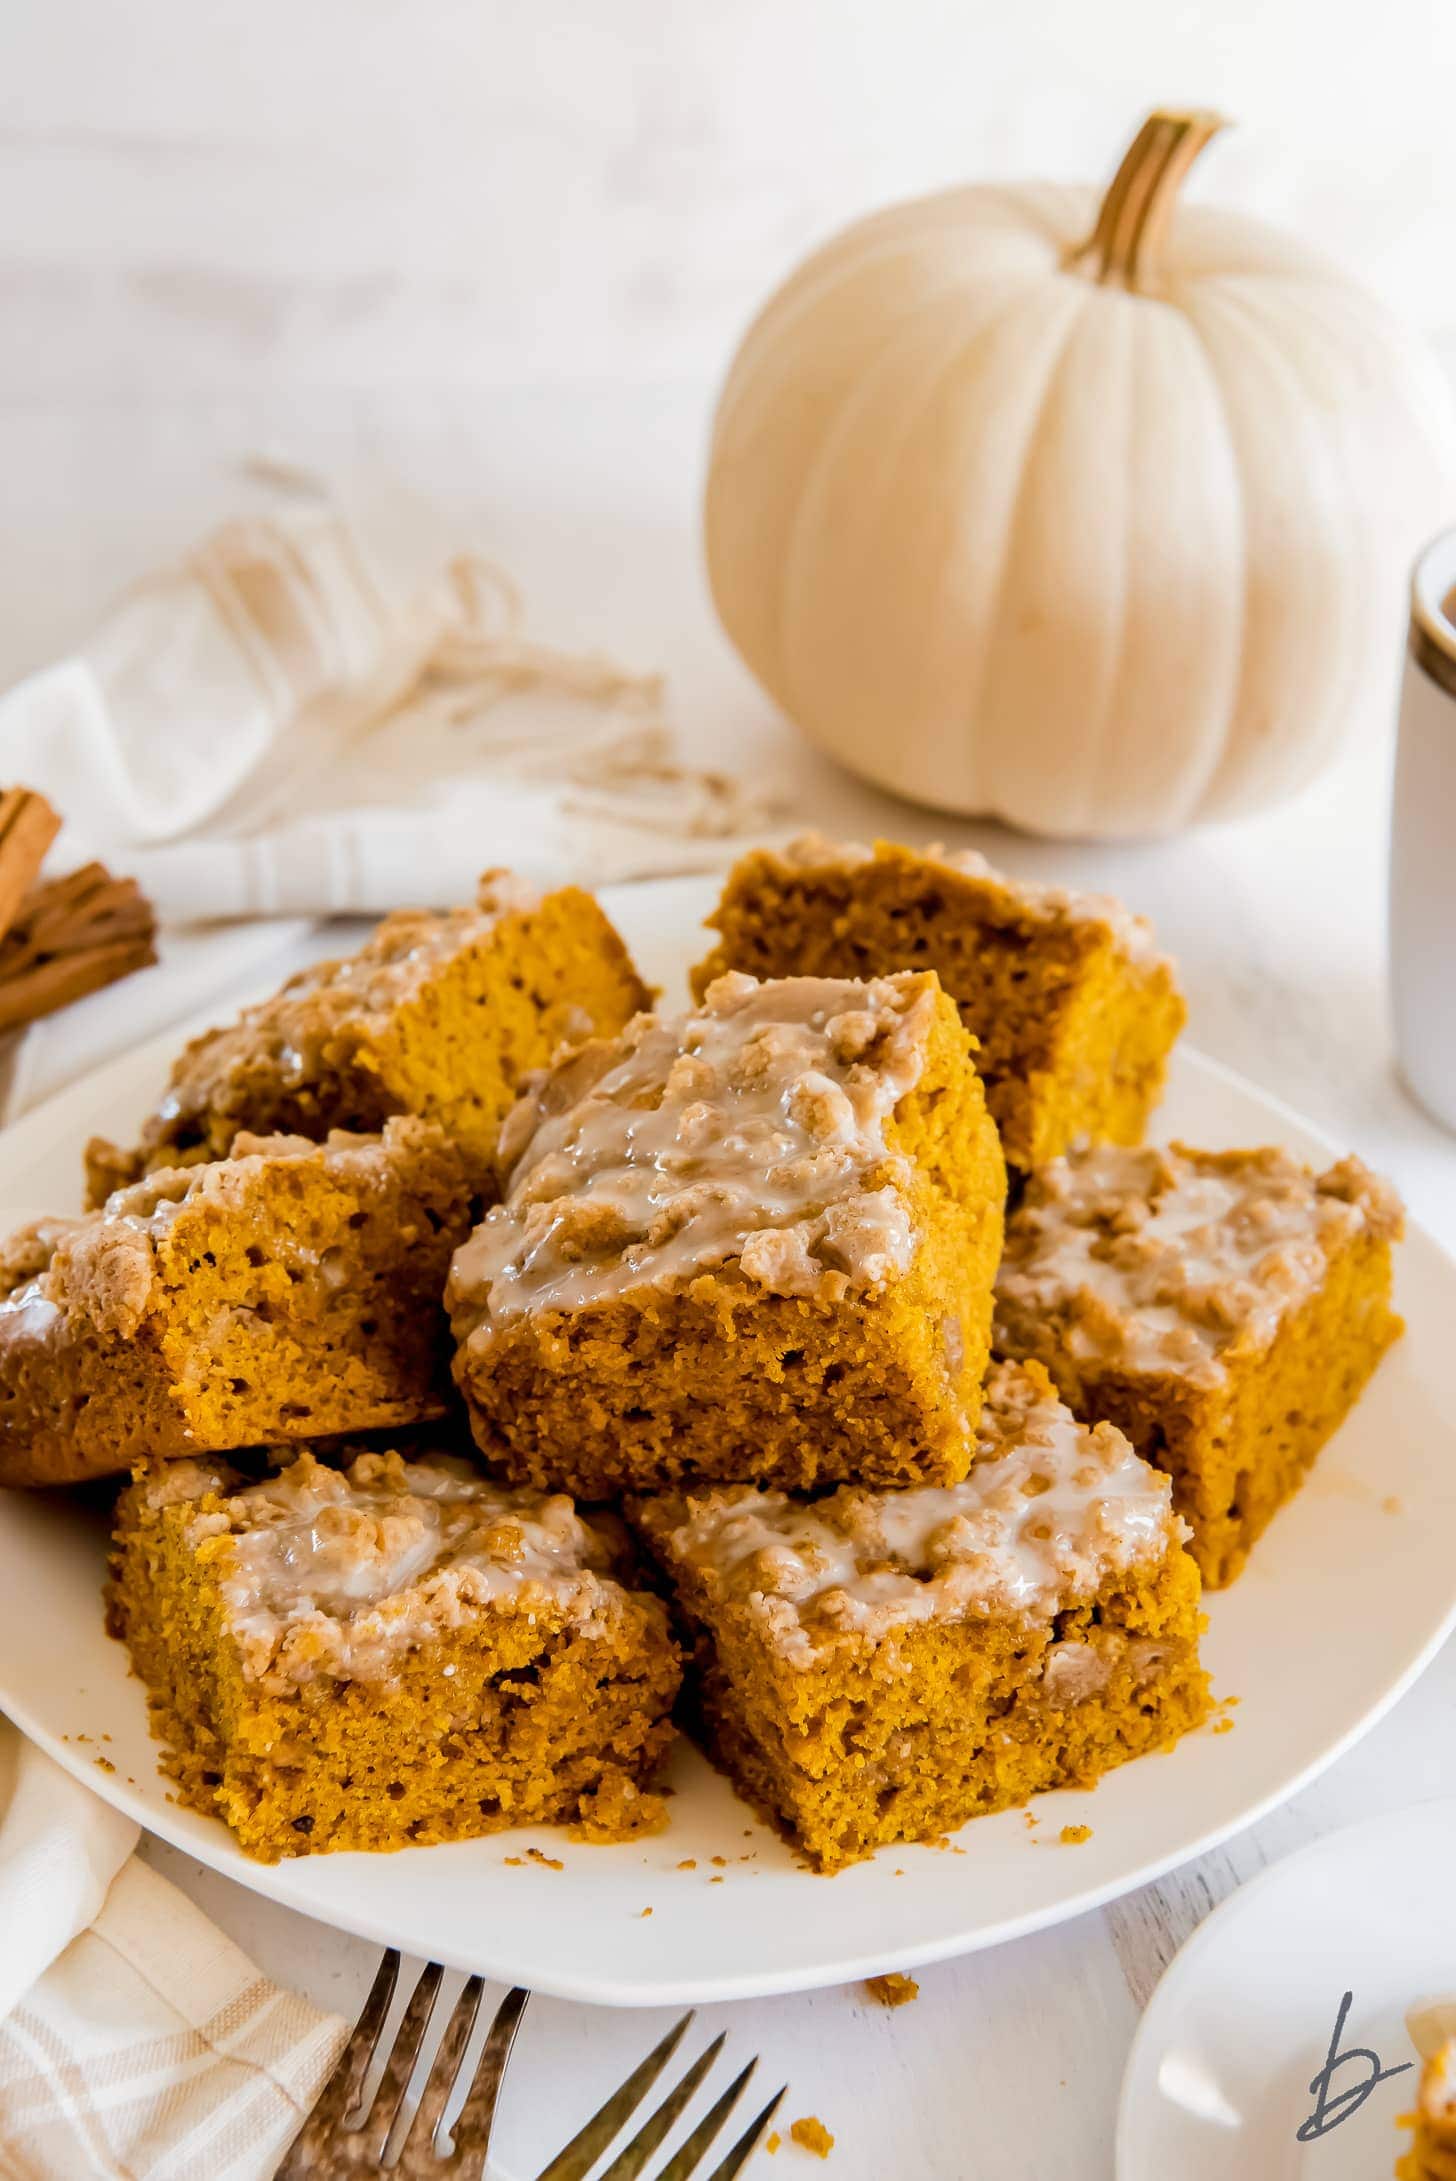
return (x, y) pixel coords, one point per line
(1098, 522)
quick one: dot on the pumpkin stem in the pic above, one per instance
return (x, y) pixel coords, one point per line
(1123, 248)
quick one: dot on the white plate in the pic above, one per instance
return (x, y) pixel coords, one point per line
(1219, 2080)
(1346, 1599)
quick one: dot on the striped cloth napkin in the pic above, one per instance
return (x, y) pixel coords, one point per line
(322, 710)
(136, 2042)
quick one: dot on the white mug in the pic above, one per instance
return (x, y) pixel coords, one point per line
(1423, 842)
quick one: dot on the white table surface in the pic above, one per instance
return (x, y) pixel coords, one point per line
(1009, 2064)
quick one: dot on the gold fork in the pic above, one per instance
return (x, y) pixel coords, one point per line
(337, 2141)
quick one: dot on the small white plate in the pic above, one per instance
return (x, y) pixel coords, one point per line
(1224, 2071)
(1346, 1599)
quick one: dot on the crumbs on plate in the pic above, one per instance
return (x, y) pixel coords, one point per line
(811, 2135)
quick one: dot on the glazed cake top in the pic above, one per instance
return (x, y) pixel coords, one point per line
(103, 1265)
(1024, 898)
(750, 1131)
(337, 1571)
(289, 1032)
(1049, 1510)
(1163, 1260)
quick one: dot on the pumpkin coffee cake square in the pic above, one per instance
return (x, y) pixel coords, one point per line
(1223, 1308)
(757, 1240)
(882, 1666)
(438, 1016)
(387, 1652)
(287, 1292)
(1073, 1008)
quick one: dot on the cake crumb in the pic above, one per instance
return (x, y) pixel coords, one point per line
(1028, 1820)
(622, 1812)
(715, 1881)
(720, 1862)
(1392, 1504)
(689, 1863)
(772, 2142)
(105, 1763)
(811, 2135)
(647, 1912)
(515, 1861)
(1223, 1706)
(549, 1862)
(1072, 1836)
(892, 1990)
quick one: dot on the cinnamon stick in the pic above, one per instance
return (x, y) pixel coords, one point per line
(80, 909)
(54, 983)
(28, 825)
(71, 936)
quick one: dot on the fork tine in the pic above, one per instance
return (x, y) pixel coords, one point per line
(588, 2144)
(398, 2068)
(441, 2079)
(684, 2162)
(631, 2159)
(477, 2116)
(340, 2093)
(747, 2143)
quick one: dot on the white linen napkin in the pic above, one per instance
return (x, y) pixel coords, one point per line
(318, 711)
(136, 2042)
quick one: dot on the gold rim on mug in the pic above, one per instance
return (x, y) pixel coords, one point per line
(1432, 627)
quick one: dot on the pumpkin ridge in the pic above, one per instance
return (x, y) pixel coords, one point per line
(772, 668)
(1100, 721)
(855, 392)
(1013, 517)
(1242, 744)
(835, 261)
(999, 797)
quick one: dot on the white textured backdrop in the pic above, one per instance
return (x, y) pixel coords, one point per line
(332, 192)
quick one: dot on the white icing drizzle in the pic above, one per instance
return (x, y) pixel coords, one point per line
(752, 1130)
(1049, 1510)
(1161, 1260)
(336, 1572)
(28, 1313)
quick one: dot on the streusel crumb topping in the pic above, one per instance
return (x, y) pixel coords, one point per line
(352, 996)
(751, 1131)
(103, 1266)
(1049, 1509)
(336, 1571)
(1162, 1260)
